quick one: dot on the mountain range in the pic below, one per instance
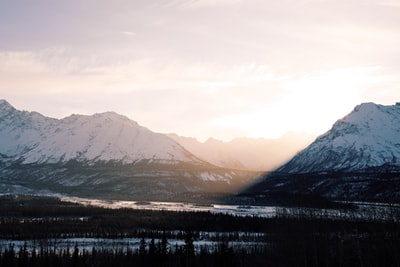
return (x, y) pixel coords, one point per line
(106, 155)
(109, 156)
(357, 159)
(257, 154)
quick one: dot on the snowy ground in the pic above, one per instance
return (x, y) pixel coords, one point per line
(236, 210)
(206, 242)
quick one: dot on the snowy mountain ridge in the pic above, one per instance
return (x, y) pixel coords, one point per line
(33, 138)
(358, 159)
(105, 155)
(369, 137)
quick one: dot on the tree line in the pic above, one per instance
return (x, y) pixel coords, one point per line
(294, 237)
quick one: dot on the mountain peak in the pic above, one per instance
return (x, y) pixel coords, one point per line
(105, 137)
(110, 114)
(4, 102)
(369, 137)
(4, 105)
(366, 107)
(371, 107)
(374, 116)
(113, 116)
(357, 159)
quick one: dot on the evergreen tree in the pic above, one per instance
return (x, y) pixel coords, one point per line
(152, 248)
(189, 246)
(164, 244)
(23, 256)
(142, 247)
(75, 256)
(188, 249)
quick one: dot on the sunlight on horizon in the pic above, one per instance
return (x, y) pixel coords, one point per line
(310, 104)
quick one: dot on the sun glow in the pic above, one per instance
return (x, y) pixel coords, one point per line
(309, 104)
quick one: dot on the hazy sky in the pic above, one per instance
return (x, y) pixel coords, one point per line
(201, 68)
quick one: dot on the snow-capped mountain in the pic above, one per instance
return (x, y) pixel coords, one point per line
(367, 138)
(247, 153)
(104, 155)
(33, 138)
(358, 159)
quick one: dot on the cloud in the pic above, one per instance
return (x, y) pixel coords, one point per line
(16, 62)
(128, 33)
(203, 58)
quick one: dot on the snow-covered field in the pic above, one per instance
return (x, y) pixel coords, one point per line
(362, 211)
(236, 210)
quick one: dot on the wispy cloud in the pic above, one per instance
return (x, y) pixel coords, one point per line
(128, 33)
(209, 58)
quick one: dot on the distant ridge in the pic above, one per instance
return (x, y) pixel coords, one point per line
(247, 153)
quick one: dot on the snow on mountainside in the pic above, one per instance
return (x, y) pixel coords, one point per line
(357, 160)
(105, 155)
(369, 137)
(33, 138)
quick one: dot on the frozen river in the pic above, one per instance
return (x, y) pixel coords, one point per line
(363, 210)
(236, 210)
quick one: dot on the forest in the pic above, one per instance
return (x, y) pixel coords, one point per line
(32, 228)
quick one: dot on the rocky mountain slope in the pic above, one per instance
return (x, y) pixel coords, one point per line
(103, 155)
(358, 159)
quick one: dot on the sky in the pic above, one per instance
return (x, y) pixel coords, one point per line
(202, 68)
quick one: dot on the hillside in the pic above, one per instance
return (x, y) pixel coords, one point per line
(358, 159)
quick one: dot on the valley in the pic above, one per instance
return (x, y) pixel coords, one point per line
(48, 231)
(101, 189)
